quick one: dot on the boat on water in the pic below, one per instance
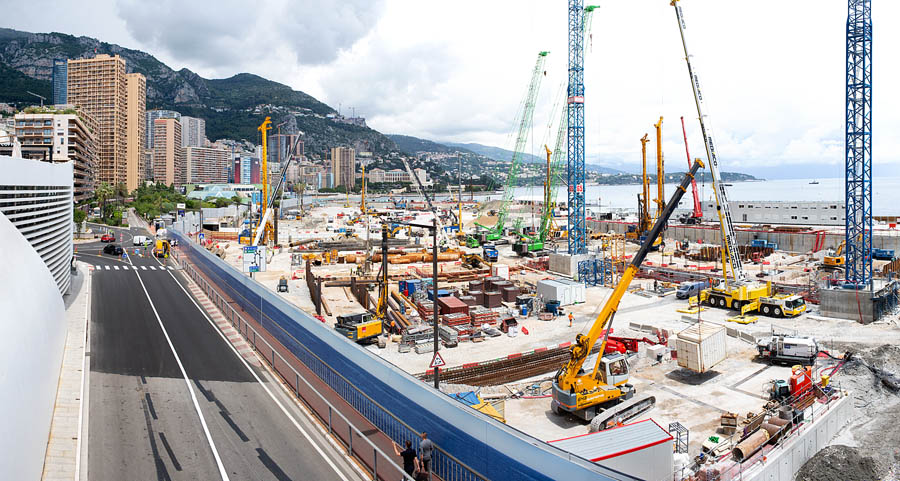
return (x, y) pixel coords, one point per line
(814, 182)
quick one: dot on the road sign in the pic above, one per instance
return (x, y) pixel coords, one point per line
(437, 361)
(200, 236)
(254, 259)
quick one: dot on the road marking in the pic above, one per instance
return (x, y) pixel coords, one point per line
(261, 383)
(98, 266)
(187, 382)
(134, 268)
(116, 267)
(144, 267)
(152, 268)
(107, 267)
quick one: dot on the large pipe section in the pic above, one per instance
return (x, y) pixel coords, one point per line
(747, 447)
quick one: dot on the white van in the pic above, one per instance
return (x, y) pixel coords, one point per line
(139, 240)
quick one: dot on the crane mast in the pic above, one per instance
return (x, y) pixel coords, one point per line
(698, 211)
(526, 116)
(730, 255)
(660, 171)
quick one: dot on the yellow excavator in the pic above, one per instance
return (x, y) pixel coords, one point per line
(835, 260)
(603, 396)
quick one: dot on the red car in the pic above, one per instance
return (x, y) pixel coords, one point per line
(108, 238)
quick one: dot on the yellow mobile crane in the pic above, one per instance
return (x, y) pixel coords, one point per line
(739, 292)
(603, 396)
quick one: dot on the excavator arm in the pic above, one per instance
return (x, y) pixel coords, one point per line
(568, 376)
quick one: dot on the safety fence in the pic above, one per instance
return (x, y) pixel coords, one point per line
(311, 358)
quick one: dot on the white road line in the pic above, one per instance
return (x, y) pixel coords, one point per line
(107, 267)
(261, 383)
(187, 382)
(152, 268)
(84, 369)
(134, 268)
(98, 266)
(144, 267)
(116, 267)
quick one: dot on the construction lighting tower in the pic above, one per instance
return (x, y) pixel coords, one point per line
(575, 128)
(858, 147)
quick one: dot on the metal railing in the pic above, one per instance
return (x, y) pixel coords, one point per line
(443, 464)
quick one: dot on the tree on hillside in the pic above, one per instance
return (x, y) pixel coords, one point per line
(103, 192)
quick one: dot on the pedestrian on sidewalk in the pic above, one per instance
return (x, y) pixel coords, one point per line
(426, 447)
(410, 461)
(571, 318)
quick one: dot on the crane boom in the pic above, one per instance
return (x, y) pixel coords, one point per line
(568, 380)
(698, 210)
(660, 171)
(526, 116)
(730, 254)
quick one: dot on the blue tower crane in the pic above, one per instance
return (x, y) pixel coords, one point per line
(575, 129)
(858, 146)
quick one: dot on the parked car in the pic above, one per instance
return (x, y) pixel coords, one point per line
(139, 240)
(108, 238)
(690, 289)
(114, 249)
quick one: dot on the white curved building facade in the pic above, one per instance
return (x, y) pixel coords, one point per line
(36, 197)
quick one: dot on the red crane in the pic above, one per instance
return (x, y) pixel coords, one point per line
(697, 215)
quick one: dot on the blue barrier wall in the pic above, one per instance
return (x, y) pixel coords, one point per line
(493, 449)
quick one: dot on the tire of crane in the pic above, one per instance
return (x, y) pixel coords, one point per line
(778, 312)
(766, 310)
(736, 305)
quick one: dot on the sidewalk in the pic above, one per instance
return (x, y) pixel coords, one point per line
(65, 444)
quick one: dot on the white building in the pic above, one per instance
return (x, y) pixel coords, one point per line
(193, 132)
(37, 198)
(397, 176)
(816, 213)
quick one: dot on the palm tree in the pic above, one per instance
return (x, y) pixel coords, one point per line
(102, 192)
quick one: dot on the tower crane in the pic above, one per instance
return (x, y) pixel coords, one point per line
(740, 292)
(603, 395)
(526, 112)
(697, 215)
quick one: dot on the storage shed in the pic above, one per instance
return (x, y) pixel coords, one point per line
(642, 449)
(701, 346)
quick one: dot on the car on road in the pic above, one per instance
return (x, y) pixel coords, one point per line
(114, 249)
(140, 240)
(108, 238)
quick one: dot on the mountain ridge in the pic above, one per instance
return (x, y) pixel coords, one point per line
(232, 107)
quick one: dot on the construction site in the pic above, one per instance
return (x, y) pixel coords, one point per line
(665, 348)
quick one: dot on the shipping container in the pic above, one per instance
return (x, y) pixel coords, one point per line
(500, 270)
(701, 346)
(562, 290)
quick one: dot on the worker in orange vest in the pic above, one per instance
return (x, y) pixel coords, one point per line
(570, 319)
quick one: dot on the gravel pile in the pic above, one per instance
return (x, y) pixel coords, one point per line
(841, 463)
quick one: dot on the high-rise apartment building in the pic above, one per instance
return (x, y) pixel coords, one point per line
(98, 86)
(59, 78)
(193, 132)
(151, 116)
(343, 166)
(206, 165)
(136, 134)
(61, 137)
(279, 145)
(168, 154)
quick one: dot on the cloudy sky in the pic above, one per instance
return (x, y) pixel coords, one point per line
(773, 71)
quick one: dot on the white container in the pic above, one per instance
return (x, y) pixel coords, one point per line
(551, 290)
(576, 290)
(701, 346)
(500, 270)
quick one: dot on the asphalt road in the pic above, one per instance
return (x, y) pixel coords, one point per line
(168, 396)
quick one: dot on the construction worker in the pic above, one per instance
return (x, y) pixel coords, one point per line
(571, 318)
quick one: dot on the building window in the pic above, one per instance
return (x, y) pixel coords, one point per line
(833, 218)
(793, 217)
(805, 218)
(793, 207)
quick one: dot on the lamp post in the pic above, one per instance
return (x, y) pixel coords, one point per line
(434, 279)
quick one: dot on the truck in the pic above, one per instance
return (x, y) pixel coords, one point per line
(362, 327)
(489, 253)
(781, 348)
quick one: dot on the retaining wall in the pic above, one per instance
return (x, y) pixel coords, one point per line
(491, 448)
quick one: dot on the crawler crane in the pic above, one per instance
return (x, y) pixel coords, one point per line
(603, 396)
(739, 292)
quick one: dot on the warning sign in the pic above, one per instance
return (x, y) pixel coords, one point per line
(437, 361)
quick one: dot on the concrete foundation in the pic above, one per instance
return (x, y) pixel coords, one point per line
(864, 306)
(565, 264)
